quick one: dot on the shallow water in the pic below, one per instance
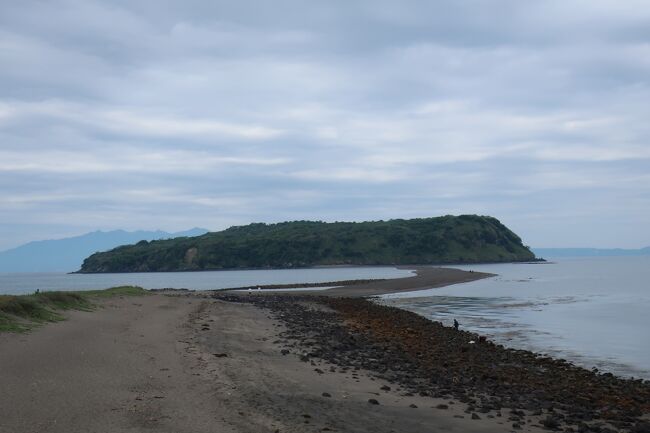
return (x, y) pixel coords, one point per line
(209, 280)
(592, 311)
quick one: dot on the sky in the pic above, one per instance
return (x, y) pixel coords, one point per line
(158, 114)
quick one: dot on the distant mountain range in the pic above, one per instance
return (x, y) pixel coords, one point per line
(65, 255)
(588, 252)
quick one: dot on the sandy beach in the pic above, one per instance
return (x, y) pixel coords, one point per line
(173, 364)
(205, 362)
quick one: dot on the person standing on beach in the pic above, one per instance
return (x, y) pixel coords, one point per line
(456, 324)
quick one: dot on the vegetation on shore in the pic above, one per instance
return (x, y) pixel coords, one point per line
(23, 312)
(439, 240)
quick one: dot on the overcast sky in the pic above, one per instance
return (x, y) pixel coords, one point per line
(155, 114)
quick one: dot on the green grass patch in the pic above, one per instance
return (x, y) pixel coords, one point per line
(117, 291)
(22, 313)
(9, 324)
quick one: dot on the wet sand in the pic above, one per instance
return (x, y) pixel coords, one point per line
(425, 277)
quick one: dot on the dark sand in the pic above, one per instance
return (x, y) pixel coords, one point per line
(187, 362)
(425, 277)
(184, 364)
(148, 364)
(123, 368)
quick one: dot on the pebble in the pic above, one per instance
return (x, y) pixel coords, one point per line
(424, 357)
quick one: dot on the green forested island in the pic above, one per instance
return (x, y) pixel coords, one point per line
(439, 240)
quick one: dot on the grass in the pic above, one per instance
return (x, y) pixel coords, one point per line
(22, 313)
(116, 291)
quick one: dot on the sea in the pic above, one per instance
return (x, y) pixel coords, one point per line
(23, 283)
(592, 311)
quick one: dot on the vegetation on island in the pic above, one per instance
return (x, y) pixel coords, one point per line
(439, 240)
(20, 313)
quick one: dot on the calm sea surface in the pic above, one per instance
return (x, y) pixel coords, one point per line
(592, 311)
(27, 283)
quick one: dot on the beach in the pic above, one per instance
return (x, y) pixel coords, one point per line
(424, 277)
(234, 362)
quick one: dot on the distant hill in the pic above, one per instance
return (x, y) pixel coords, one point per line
(447, 239)
(66, 255)
(589, 252)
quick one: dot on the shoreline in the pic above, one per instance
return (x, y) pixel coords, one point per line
(424, 278)
(363, 277)
(425, 358)
(191, 364)
(344, 266)
(178, 361)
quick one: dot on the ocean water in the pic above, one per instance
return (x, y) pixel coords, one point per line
(209, 280)
(592, 311)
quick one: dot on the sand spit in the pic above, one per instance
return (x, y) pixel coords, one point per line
(181, 363)
(225, 362)
(425, 277)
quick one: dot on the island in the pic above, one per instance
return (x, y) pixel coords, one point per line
(437, 240)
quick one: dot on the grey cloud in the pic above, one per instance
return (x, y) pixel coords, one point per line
(114, 114)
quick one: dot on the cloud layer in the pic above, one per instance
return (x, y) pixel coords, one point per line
(143, 115)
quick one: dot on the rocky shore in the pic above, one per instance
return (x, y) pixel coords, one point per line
(425, 358)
